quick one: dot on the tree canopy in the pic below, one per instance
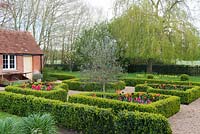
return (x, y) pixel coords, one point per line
(151, 36)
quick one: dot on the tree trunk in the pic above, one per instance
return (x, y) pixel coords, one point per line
(149, 65)
(104, 87)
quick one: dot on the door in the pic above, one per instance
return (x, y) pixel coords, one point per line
(28, 66)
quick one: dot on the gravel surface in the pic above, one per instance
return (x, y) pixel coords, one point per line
(187, 121)
(2, 88)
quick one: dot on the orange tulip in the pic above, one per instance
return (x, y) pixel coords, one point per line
(118, 92)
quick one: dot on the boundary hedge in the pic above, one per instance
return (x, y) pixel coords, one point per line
(166, 69)
(135, 81)
(167, 107)
(59, 92)
(88, 119)
(76, 84)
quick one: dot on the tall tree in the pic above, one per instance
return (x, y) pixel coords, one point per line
(151, 35)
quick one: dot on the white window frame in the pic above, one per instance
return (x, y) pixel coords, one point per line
(9, 63)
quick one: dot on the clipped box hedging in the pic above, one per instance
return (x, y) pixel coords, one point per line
(167, 107)
(77, 84)
(60, 76)
(140, 123)
(84, 118)
(186, 97)
(59, 92)
(135, 81)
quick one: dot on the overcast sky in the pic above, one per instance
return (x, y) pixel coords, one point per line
(107, 5)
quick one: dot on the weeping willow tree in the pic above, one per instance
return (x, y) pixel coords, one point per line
(152, 37)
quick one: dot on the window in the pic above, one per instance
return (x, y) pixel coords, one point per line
(9, 62)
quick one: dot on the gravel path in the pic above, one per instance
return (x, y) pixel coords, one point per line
(2, 88)
(187, 121)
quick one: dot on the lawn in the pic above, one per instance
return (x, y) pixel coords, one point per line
(139, 75)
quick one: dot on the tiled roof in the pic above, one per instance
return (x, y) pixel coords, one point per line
(17, 42)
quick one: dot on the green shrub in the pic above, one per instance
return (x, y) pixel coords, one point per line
(77, 84)
(184, 77)
(141, 88)
(150, 76)
(60, 76)
(135, 81)
(38, 124)
(138, 122)
(186, 97)
(58, 93)
(167, 107)
(45, 74)
(33, 124)
(88, 119)
(8, 126)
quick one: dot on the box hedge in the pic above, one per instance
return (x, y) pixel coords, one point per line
(186, 97)
(58, 93)
(61, 76)
(84, 118)
(77, 84)
(167, 107)
(135, 81)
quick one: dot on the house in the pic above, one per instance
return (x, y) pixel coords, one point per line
(19, 55)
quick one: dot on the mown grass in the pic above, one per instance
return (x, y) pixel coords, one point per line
(139, 75)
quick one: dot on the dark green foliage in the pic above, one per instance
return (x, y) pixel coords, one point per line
(186, 97)
(60, 76)
(184, 77)
(58, 93)
(49, 74)
(150, 76)
(88, 119)
(135, 81)
(141, 88)
(165, 69)
(167, 107)
(76, 84)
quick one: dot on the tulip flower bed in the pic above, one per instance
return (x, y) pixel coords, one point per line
(42, 87)
(141, 98)
(170, 86)
(46, 90)
(143, 102)
(187, 94)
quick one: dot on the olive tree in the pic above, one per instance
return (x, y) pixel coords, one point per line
(97, 48)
